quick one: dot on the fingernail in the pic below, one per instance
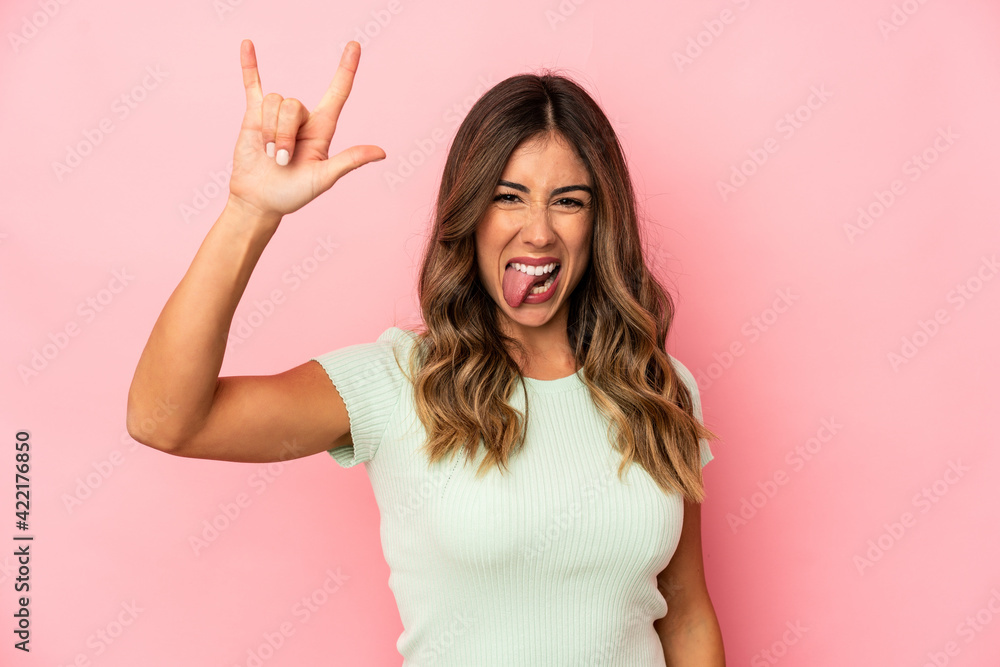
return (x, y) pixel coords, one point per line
(270, 149)
(282, 158)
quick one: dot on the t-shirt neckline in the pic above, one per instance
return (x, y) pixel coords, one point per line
(567, 383)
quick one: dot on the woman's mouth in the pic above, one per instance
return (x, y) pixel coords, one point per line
(524, 283)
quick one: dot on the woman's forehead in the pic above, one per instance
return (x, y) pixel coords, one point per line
(545, 161)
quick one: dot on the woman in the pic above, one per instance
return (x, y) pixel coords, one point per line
(546, 526)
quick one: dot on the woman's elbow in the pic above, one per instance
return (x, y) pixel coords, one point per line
(150, 425)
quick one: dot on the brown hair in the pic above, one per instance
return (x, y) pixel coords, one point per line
(463, 372)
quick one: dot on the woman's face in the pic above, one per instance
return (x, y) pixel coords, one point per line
(541, 210)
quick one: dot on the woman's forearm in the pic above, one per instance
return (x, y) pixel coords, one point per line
(179, 367)
(692, 640)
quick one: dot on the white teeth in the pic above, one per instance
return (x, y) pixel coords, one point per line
(539, 289)
(535, 270)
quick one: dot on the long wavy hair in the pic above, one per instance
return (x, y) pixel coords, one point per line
(463, 371)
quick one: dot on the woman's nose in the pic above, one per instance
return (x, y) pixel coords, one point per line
(537, 227)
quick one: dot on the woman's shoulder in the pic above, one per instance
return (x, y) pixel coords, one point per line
(395, 333)
(400, 342)
(398, 337)
(686, 376)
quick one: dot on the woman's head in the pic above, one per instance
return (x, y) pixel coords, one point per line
(533, 241)
(544, 133)
(549, 130)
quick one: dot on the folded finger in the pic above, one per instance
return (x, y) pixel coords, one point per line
(269, 121)
(291, 115)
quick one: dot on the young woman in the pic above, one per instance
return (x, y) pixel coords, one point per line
(535, 453)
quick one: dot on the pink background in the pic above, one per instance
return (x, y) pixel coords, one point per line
(853, 494)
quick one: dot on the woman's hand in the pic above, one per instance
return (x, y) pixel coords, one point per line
(281, 159)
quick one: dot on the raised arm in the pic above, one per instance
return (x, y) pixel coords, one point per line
(177, 402)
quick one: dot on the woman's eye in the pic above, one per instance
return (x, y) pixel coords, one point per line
(565, 202)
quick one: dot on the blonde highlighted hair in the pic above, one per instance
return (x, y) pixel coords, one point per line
(463, 370)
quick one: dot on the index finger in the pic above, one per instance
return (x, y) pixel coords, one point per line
(251, 79)
(340, 88)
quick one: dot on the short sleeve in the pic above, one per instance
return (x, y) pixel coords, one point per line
(370, 383)
(692, 385)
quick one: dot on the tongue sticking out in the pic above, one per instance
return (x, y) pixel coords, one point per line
(517, 284)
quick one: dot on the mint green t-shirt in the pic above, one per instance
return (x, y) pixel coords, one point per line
(553, 562)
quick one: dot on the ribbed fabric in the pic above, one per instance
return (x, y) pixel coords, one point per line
(553, 562)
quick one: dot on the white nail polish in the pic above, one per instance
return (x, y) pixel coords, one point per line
(282, 158)
(270, 149)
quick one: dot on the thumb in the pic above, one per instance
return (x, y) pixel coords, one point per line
(347, 160)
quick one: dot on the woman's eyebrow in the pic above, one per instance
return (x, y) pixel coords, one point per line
(557, 191)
